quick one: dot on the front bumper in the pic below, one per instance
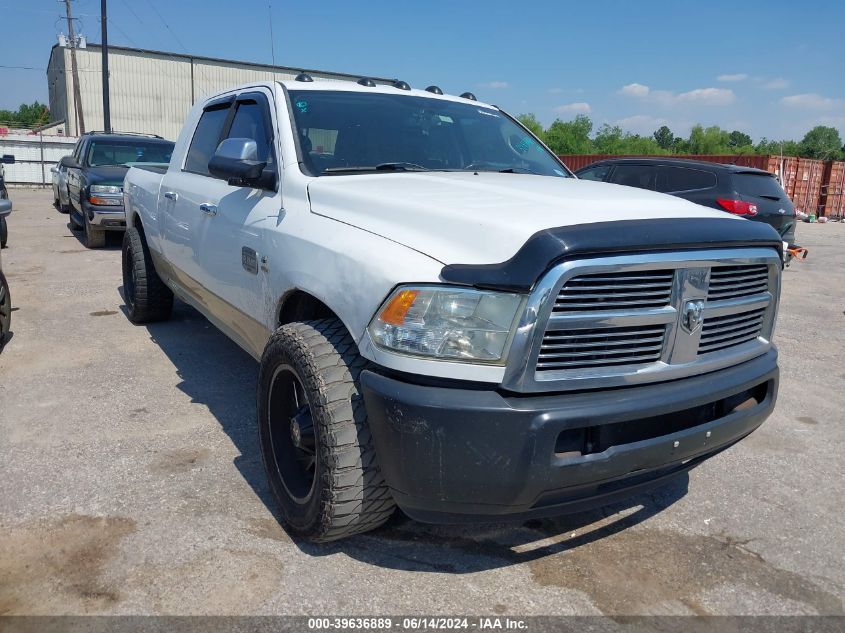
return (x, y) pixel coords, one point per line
(456, 455)
(103, 217)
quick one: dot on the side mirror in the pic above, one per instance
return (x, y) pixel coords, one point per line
(68, 161)
(8, 159)
(236, 158)
(53, 170)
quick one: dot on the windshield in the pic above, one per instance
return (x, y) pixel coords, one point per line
(354, 132)
(109, 152)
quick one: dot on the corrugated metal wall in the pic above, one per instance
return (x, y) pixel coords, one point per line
(27, 150)
(151, 92)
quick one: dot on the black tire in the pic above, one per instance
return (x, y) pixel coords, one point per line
(74, 224)
(4, 233)
(147, 297)
(347, 493)
(94, 237)
(5, 310)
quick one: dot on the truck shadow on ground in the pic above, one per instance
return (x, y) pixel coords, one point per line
(215, 372)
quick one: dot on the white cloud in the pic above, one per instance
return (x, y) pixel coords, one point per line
(734, 77)
(555, 91)
(634, 90)
(574, 108)
(812, 101)
(703, 96)
(495, 85)
(779, 83)
(707, 96)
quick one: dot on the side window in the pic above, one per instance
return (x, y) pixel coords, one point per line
(640, 176)
(684, 179)
(206, 139)
(250, 122)
(594, 173)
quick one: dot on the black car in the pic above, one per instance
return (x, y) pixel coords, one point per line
(751, 193)
(95, 173)
(5, 297)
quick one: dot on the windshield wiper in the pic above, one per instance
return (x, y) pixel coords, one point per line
(380, 167)
(518, 170)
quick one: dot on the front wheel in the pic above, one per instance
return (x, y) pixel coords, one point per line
(4, 233)
(315, 441)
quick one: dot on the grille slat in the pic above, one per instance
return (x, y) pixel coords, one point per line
(607, 352)
(618, 342)
(734, 282)
(603, 362)
(613, 291)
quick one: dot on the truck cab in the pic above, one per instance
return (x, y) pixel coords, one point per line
(445, 319)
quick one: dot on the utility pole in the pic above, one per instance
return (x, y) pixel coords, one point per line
(77, 98)
(105, 48)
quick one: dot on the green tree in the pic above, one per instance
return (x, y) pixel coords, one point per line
(609, 140)
(664, 137)
(27, 115)
(570, 137)
(739, 139)
(530, 121)
(822, 142)
(711, 140)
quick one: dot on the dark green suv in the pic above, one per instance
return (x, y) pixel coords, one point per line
(95, 175)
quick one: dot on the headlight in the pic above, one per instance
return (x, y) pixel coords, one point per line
(448, 323)
(113, 189)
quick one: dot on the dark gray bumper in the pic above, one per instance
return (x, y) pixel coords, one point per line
(455, 455)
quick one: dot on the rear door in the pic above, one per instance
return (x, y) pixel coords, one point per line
(184, 189)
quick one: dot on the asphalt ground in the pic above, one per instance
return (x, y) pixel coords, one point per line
(131, 482)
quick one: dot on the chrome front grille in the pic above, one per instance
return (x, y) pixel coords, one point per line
(618, 320)
(609, 291)
(732, 282)
(578, 349)
(722, 332)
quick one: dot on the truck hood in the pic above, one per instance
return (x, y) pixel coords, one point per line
(484, 218)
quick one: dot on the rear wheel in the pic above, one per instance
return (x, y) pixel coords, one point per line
(4, 233)
(315, 440)
(147, 297)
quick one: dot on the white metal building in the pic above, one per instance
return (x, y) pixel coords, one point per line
(151, 91)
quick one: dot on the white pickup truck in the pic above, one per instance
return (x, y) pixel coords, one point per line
(447, 320)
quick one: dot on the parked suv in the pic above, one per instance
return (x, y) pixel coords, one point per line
(445, 319)
(95, 173)
(751, 193)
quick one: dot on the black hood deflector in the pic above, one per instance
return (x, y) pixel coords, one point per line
(551, 246)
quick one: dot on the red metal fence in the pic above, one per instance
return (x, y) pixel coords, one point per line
(814, 186)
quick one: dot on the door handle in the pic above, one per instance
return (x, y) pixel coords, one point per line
(208, 208)
(171, 195)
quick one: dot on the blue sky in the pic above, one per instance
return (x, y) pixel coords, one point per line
(773, 68)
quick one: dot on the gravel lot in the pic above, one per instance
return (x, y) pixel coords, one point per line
(130, 478)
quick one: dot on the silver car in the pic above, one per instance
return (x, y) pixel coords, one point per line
(60, 197)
